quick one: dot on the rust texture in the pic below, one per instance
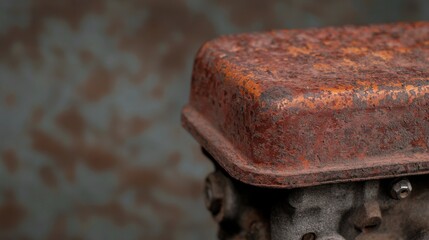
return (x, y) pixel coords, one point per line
(90, 94)
(298, 108)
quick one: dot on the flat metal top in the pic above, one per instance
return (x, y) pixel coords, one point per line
(298, 108)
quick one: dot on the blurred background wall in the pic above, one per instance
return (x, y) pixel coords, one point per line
(90, 97)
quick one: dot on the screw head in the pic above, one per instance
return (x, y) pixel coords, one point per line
(401, 189)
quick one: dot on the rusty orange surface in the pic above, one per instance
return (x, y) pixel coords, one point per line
(296, 108)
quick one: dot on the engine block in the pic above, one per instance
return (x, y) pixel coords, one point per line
(316, 133)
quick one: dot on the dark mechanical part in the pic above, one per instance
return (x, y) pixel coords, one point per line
(359, 210)
(316, 134)
(239, 209)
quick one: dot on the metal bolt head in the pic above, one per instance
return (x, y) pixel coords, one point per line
(220, 196)
(401, 189)
(214, 193)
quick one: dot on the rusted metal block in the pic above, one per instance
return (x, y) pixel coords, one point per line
(298, 108)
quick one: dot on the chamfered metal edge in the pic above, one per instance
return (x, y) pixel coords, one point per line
(236, 164)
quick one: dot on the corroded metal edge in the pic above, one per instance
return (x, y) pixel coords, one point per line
(234, 162)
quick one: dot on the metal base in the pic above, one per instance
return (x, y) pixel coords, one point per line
(391, 209)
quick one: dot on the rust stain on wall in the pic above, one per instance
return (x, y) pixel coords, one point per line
(48, 176)
(12, 213)
(10, 160)
(72, 122)
(99, 84)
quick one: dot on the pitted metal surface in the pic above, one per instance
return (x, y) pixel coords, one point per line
(329, 125)
(297, 108)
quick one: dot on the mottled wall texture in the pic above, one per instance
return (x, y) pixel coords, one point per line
(90, 97)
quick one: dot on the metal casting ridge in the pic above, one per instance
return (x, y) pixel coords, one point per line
(232, 161)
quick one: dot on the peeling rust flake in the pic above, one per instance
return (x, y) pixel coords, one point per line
(295, 108)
